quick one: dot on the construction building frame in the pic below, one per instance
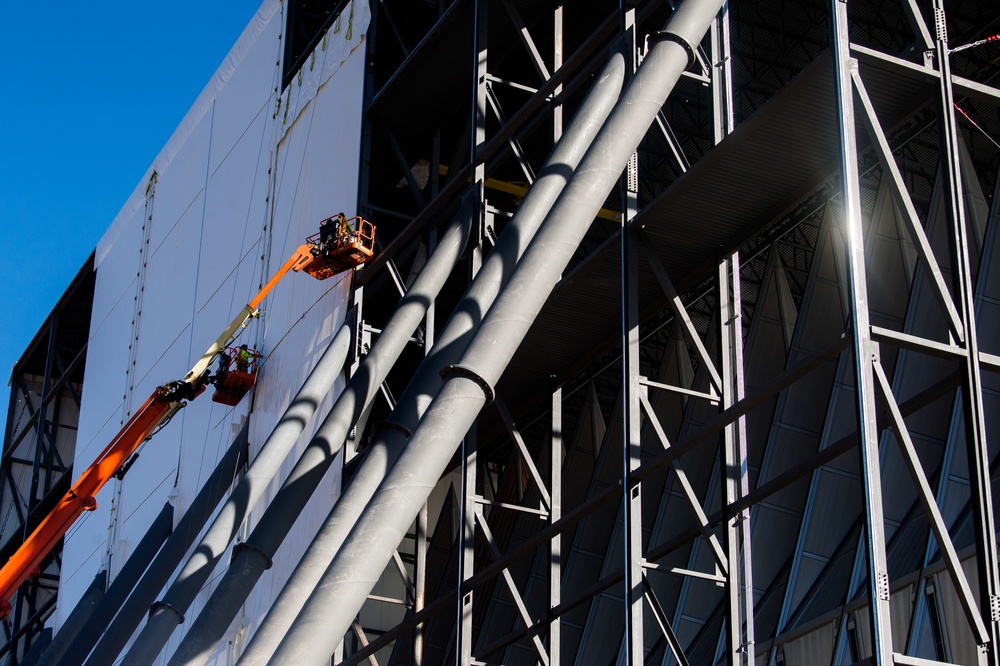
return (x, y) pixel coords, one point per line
(865, 132)
(755, 420)
(38, 448)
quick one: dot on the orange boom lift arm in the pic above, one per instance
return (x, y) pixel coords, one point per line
(165, 401)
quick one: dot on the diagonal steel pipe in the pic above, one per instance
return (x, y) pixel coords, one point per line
(496, 268)
(166, 614)
(468, 384)
(140, 595)
(250, 561)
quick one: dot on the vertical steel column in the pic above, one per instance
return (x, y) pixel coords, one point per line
(468, 384)
(467, 549)
(722, 76)
(420, 542)
(631, 451)
(555, 513)
(44, 436)
(556, 455)
(420, 584)
(479, 109)
(739, 585)
(972, 387)
(43, 426)
(632, 416)
(557, 62)
(746, 565)
(864, 349)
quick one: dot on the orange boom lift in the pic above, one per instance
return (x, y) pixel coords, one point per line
(322, 256)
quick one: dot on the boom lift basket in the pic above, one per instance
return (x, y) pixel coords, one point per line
(237, 378)
(340, 246)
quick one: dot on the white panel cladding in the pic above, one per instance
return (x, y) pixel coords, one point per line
(235, 215)
(230, 206)
(317, 176)
(179, 188)
(237, 112)
(164, 333)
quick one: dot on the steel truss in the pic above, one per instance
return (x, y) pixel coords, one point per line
(669, 405)
(39, 440)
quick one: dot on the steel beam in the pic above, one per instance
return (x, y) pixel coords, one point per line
(631, 386)
(515, 594)
(910, 218)
(557, 63)
(926, 498)
(669, 635)
(739, 581)
(467, 549)
(877, 569)
(723, 113)
(632, 451)
(655, 465)
(681, 313)
(555, 514)
(689, 493)
(522, 450)
(467, 386)
(972, 385)
(420, 584)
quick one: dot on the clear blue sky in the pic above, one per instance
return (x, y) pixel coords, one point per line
(92, 92)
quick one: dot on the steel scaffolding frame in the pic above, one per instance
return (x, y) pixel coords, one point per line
(673, 406)
(40, 432)
(725, 531)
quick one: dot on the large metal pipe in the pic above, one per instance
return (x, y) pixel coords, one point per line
(169, 612)
(83, 611)
(165, 563)
(451, 342)
(467, 386)
(81, 630)
(252, 560)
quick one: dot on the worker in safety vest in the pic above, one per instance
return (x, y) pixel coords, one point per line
(346, 234)
(243, 356)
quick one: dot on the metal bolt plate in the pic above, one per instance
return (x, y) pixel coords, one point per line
(882, 587)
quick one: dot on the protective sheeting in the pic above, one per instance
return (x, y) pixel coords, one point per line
(248, 43)
(326, 59)
(235, 190)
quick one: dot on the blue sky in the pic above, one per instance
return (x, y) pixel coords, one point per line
(93, 91)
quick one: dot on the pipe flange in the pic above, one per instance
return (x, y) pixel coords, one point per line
(163, 605)
(240, 547)
(468, 373)
(397, 427)
(666, 36)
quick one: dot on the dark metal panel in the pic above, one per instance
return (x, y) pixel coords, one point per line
(773, 159)
(423, 91)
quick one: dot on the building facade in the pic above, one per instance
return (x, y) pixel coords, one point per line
(677, 347)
